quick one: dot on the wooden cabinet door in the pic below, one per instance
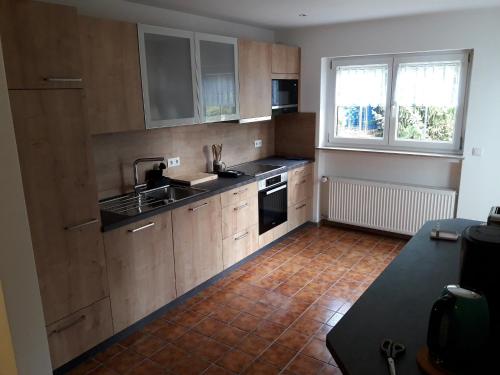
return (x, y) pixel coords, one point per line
(197, 243)
(240, 216)
(79, 332)
(112, 78)
(285, 59)
(255, 78)
(240, 245)
(299, 214)
(61, 198)
(40, 45)
(140, 261)
(300, 188)
(235, 195)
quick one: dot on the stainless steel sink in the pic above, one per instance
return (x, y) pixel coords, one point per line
(134, 204)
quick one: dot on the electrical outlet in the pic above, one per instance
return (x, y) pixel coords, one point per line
(258, 143)
(174, 162)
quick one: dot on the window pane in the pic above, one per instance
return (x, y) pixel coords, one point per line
(360, 100)
(427, 101)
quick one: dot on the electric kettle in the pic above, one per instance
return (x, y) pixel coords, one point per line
(459, 328)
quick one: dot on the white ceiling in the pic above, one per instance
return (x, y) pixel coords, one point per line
(278, 14)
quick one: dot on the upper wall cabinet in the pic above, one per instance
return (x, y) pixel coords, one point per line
(254, 59)
(35, 37)
(112, 79)
(286, 59)
(217, 69)
(168, 76)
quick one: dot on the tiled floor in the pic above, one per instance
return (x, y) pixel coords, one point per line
(269, 316)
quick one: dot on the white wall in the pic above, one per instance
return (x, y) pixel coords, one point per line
(17, 263)
(133, 12)
(479, 182)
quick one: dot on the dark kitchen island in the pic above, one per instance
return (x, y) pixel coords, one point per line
(397, 305)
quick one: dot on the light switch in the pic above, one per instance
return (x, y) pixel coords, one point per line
(477, 151)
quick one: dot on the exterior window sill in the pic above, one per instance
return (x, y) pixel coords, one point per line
(394, 152)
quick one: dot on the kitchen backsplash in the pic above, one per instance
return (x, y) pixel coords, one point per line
(115, 153)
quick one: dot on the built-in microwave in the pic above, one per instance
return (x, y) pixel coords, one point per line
(285, 97)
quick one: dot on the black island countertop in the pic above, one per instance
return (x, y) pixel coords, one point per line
(398, 304)
(110, 221)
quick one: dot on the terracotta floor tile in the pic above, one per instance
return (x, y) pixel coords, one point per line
(148, 345)
(204, 307)
(306, 326)
(109, 353)
(261, 368)
(317, 349)
(253, 344)
(211, 350)
(168, 356)
(240, 303)
(330, 302)
(147, 367)
(303, 365)
(260, 309)
(288, 289)
(209, 326)
(102, 370)
(323, 331)
(191, 339)
(252, 292)
(283, 317)
(170, 332)
(269, 330)
(293, 339)
(154, 326)
(274, 299)
(246, 322)
(85, 367)
(278, 355)
(217, 370)
(189, 318)
(335, 319)
(132, 339)
(230, 336)
(224, 314)
(319, 313)
(330, 370)
(235, 360)
(124, 361)
(190, 365)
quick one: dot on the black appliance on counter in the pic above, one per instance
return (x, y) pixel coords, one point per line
(273, 202)
(285, 96)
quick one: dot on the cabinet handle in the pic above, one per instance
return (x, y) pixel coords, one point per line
(67, 326)
(78, 226)
(240, 207)
(240, 192)
(198, 207)
(241, 237)
(301, 206)
(141, 228)
(58, 79)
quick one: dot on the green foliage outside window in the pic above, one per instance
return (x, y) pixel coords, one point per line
(423, 123)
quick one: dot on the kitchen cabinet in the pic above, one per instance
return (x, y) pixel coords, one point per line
(300, 184)
(239, 216)
(299, 213)
(140, 260)
(217, 71)
(240, 245)
(61, 199)
(79, 332)
(168, 73)
(254, 59)
(285, 59)
(111, 72)
(235, 195)
(40, 45)
(197, 232)
(273, 234)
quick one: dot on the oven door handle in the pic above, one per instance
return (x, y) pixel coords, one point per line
(276, 189)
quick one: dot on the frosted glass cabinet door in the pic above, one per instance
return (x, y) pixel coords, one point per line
(168, 76)
(218, 77)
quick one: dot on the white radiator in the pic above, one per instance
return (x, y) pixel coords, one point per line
(388, 207)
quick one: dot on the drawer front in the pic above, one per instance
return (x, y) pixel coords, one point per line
(239, 216)
(79, 332)
(236, 195)
(239, 246)
(299, 214)
(301, 171)
(300, 189)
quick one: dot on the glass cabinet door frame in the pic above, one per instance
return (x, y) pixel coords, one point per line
(199, 37)
(150, 123)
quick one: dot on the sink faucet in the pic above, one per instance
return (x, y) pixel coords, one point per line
(138, 186)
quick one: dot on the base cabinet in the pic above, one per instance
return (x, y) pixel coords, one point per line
(240, 245)
(79, 332)
(197, 232)
(299, 214)
(140, 262)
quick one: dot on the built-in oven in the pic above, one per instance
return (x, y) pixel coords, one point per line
(285, 96)
(273, 198)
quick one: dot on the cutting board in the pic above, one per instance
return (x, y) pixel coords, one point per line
(194, 178)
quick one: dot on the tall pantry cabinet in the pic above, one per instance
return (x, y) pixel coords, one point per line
(58, 172)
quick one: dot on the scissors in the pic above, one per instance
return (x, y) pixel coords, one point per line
(391, 351)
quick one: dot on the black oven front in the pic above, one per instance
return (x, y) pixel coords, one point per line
(273, 202)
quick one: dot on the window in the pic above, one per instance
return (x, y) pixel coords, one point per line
(411, 101)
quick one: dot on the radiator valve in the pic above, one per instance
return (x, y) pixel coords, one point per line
(324, 179)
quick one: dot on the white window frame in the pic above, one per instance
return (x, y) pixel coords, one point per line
(389, 141)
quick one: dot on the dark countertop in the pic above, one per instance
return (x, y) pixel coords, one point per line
(112, 221)
(397, 305)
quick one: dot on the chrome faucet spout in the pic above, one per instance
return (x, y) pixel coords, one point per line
(137, 186)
